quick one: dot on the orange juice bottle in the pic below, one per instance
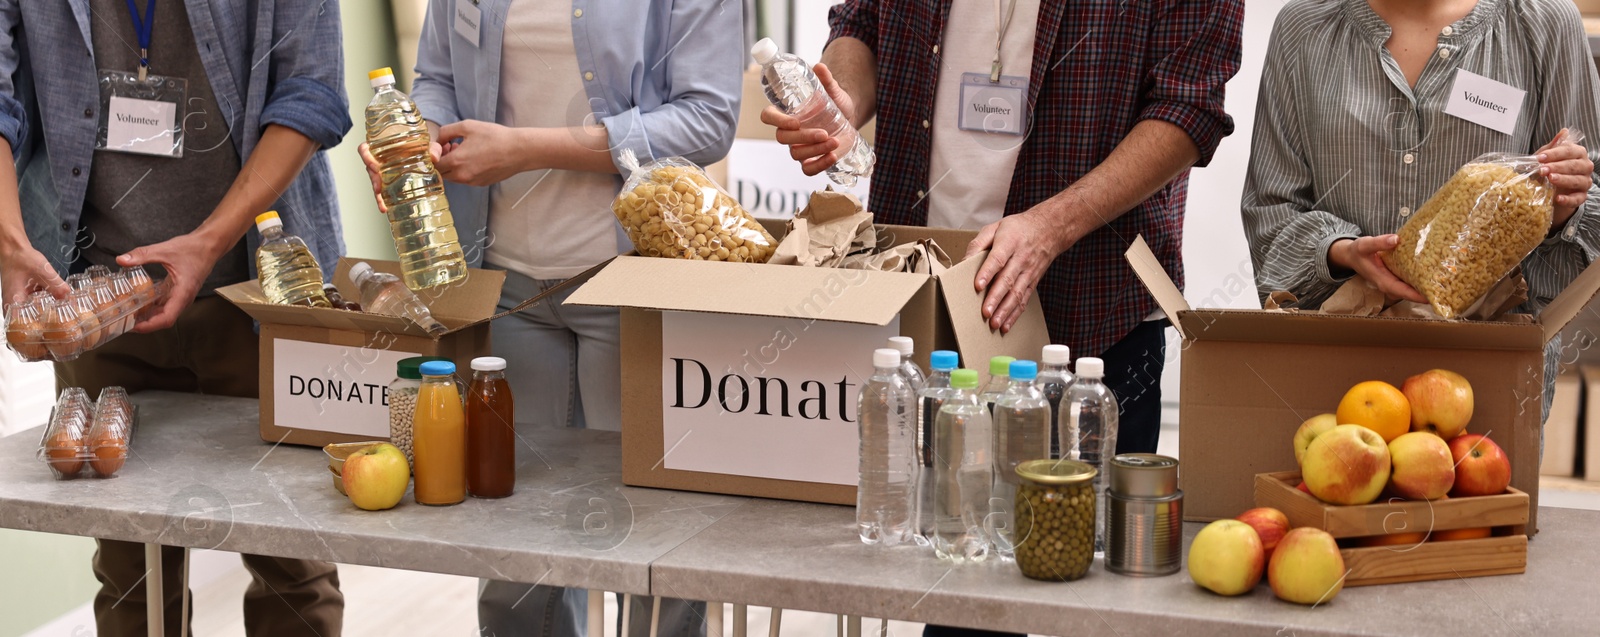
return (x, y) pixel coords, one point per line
(439, 437)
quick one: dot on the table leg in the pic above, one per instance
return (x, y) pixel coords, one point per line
(741, 620)
(184, 580)
(852, 625)
(776, 623)
(597, 613)
(153, 595)
(625, 611)
(713, 619)
(655, 615)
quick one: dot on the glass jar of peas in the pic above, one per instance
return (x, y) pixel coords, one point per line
(1055, 519)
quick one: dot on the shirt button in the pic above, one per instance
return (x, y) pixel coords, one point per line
(578, 13)
(76, 172)
(88, 112)
(65, 226)
(1446, 31)
(1405, 211)
(588, 76)
(924, 123)
(1408, 158)
(935, 49)
(1444, 53)
(921, 194)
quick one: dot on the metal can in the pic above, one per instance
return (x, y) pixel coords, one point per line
(1144, 516)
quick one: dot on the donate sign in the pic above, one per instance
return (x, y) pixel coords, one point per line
(768, 182)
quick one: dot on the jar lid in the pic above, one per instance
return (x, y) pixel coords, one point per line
(1144, 475)
(411, 368)
(1056, 471)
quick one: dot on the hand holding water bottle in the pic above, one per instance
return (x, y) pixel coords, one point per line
(818, 128)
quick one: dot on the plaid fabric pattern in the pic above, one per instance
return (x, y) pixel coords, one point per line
(1099, 68)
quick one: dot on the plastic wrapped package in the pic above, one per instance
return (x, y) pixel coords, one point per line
(670, 208)
(102, 306)
(1474, 230)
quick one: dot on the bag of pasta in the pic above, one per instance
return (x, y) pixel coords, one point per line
(670, 208)
(1475, 230)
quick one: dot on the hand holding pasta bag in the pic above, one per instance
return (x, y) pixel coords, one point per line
(670, 208)
(1475, 230)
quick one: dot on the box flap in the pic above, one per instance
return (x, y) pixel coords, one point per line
(829, 294)
(1571, 301)
(558, 288)
(976, 341)
(1160, 284)
(457, 306)
(1262, 326)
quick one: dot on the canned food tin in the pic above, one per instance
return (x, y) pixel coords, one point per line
(1144, 516)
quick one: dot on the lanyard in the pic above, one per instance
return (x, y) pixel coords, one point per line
(143, 29)
(1001, 26)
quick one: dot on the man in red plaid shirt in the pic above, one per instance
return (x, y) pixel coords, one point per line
(1062, 130)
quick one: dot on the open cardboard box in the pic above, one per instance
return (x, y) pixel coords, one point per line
(1250, 377)
(742, 378)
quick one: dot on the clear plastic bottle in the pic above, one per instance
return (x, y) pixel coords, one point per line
(935, 391)
(1089, 420)
(886, 504)
(288, 272)
(1022, 428)
(999, 381)
(1052, 382)
(792, 87)
(383, 293)
(963, 473)
(908, 364)
(419, 216)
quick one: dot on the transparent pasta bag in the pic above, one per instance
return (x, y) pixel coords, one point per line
(670, 208)
(1475, 230)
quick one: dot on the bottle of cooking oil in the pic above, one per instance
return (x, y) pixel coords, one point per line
(419, 217)
(289, 273)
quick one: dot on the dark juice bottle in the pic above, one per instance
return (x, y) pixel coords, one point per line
(491, 437)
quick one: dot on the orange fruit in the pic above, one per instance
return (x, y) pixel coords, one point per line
(1462, 534)
(1393, 539)
(1378, 406)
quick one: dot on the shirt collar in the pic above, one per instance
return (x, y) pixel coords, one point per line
(1361, 13)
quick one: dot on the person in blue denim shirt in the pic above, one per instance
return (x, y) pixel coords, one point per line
(264, 96)
(534, 100)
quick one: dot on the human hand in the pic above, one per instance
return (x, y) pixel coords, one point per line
(23, 271)
(188, 260)
(434, 148)
(815, 148)
(478, 153)
(1566, 164)
(1021, 247)
(1362, 256)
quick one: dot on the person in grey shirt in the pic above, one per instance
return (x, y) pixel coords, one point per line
(1352, 134)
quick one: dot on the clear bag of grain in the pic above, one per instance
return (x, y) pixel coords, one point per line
(1475, 230)
(670, 208)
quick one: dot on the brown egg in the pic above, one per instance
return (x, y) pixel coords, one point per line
(110, 452)
(25, 334)
(143, 287)
(63, 331)
(88, 322)
(64, 451)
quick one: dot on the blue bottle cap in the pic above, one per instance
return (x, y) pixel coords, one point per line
(1024, 370)
(438, 368)
(944, 360)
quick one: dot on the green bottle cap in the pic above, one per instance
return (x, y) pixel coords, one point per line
(964, 379)
(411, 368)
(1000, 366)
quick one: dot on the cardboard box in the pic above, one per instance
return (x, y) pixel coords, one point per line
(742, 378)
(1561, 428)
(1250, 377)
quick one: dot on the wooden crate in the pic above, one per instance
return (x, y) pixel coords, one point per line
(1503, 554)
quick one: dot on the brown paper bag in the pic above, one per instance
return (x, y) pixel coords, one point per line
(834, 225)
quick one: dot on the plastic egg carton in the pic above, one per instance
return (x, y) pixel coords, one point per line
(103, 305)
(88, 438)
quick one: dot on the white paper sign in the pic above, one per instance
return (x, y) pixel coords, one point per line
(1482, 101)
(764, 397)
(468, 17)
(141, 126)
(333, 387)
(768, 183)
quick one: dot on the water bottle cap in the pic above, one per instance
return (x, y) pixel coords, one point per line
(964, 379)
(944, 360)
(1024, 370)
(438, 368)
(885, 358)
(902, 344)
(1000, 365)
(268, 219)
(764, 51)
(360, 270)
(1056, 355)
(488, 364)
(1091, 367)
(380, 77)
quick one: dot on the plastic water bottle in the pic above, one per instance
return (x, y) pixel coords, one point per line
(1053, 380)
(908, 365)
(419, 217)
(1089, 420)
(963, 473)
(1021, 433)
(999, 382)
(886, 503)
(931, 399)
(384, 294)
(288, 272)
(794, 89)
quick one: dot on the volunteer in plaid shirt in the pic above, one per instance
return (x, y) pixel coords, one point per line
(1083, 143)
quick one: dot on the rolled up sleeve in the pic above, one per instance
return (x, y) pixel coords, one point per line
(434, 90)
(13, 119)
(308, 65)
(1570, 100)
(855, 19)
(1198, 45)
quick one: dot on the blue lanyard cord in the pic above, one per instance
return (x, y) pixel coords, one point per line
(143, 28)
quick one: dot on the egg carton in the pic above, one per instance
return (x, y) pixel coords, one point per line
(102, 305)
(88, 438)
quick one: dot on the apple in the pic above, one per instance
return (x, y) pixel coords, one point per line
(1441, 402)
(1226, 558)
(1302, 487)
(1423, 466)
(1462, 534)
(1309, 430)
(1270, 525)
(1307, 567)
(1394, 539)
(1347, 465)
(376, 477)
(1481, 466)
(1378, 406)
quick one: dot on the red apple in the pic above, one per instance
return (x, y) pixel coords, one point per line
(1347, 465)
(1441, 402)
(1481, 466)
(1307, 568)
(1226, 558)
(1305, 489)
(1270, 524)
(1423, 466)
(376, 477)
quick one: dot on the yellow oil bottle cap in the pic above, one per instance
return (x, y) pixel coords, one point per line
(270, 214)
(373, 75)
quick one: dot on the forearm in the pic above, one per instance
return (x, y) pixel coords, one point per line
(276, 161)
(1144, 162)
(855, 68)
(584, 148)
(13, 236)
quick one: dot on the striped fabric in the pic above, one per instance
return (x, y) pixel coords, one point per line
(1099, 68)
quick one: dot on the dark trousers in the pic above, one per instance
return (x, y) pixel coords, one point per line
(1133, 373)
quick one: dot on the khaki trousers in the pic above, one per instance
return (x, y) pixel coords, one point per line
(212, 350)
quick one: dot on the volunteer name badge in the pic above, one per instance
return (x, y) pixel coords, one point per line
(993, 106)
(468, 17)
(1485, 102)
(141, 126)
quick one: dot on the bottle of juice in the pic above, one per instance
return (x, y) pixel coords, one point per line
(288, 272)
(419, 217)
(491, 437)
(439, 437)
